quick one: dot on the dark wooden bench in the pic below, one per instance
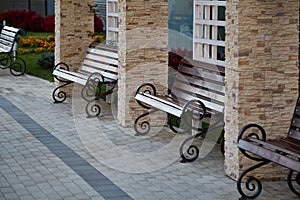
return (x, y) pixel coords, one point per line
(8, 38)
(198, 92)
(284, 151)
(99, 68)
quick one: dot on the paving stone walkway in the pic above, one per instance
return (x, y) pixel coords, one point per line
(45, 154)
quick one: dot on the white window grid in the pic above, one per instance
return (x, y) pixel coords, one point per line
(206, 38)
(112, 25)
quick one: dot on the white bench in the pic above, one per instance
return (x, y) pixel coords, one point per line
(8, 39)
(99, 68)
(198, 91)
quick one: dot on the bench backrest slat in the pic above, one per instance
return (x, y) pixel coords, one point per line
(8, 37)
(294, 131)
(101, 59)
(98, 65)
(198, 80)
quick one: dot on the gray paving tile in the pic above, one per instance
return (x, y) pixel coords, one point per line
(29, 160)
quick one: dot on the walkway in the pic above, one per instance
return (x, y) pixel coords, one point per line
(46, 153)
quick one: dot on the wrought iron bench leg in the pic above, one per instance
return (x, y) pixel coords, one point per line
(93, 108)
(58, 95)
(252, 184)
(290, 183)
(144, 125)
(17, 66)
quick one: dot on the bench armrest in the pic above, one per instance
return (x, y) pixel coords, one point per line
(62, 66)
(145, 88)
(197, 111)
(254, 131)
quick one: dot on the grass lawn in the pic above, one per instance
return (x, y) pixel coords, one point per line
(32, 67)
(31, 58)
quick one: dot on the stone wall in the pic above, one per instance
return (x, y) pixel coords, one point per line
(143, 52)
(261, 73)
(73, 31)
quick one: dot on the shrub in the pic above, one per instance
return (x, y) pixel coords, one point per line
(49, 23)
(176, 55)
(99, 38)
(46, 61)
(26, 19)
(98, 25)
(32, 21)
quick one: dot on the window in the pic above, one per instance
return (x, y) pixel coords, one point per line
(112, 21)
(209, 31)
(180, 25)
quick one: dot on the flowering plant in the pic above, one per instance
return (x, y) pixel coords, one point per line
(176, 55)
(33, 44)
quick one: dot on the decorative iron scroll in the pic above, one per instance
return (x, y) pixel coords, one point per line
(195, 111)
(17, 66)
(252, 185)
(143, 128)
(192, 152)
(92, 88)
(261, 135)
(5, 61)
(177, 125)
(58, 95)
(147, 88)
(290, 182)
(92, 92)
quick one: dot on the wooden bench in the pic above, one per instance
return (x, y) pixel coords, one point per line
(99, 68)
(198, 92)
(8, 38)
(285, 151)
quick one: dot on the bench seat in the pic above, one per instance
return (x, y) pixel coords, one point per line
(284, 151)
(198, 90)
(8, 59)
(99, 68)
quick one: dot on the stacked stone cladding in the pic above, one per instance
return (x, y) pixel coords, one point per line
(261, 74)
(143, 52)
(73, 31)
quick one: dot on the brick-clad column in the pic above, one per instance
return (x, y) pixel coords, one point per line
(143, 52)
(74, 26)
(261, 73)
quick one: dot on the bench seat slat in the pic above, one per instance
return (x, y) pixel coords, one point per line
(198, 73)
(280, 145)
(188, 89)
(70, 76)
(102, 59)
(4, 49)
(104, 52)
(11, 29)
(108, 75)
(160, 104)
(8, 38)
(102, 66)
(270, 155)
(192, 62)
(210, 104)
(77, 77)
(294, 134)
(214, 86)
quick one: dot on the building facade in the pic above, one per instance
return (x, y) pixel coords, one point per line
(261, 50)
(43, 7)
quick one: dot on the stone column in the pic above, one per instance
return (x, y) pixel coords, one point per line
(261, 73)
(143, 52)
(74, 26)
